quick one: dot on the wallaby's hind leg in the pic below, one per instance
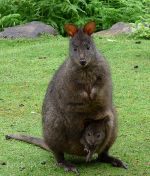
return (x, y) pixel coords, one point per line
(29, 139)
(62, 163)
(105, 158)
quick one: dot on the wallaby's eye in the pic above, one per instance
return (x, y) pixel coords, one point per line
(75, 49)
(87, 47)
(98, 135)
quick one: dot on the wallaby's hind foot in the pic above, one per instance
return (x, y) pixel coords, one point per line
(105, 158)
(29, 139)
(68, 167)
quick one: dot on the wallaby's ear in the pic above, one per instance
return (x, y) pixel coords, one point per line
(71, 29)
(89, 28)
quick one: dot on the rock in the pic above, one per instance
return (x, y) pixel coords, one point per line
(138, 42)
(21, 105)
(43, 162)
(42, 57)
(136, 66)
(29, 30)
(2, 163)
(118, 28)
(21, 168)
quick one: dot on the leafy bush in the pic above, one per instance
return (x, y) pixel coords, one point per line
(58, 12)
(141, 29)
(10, 20)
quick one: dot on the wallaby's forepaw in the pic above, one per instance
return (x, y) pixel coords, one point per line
(84, 95)
(93, 93)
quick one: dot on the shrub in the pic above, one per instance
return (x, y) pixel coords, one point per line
(141, 29)
(10, 20)
(58, 12)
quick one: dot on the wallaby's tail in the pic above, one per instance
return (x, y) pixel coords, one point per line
(29, 139)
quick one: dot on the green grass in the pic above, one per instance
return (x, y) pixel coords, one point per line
(26, 67)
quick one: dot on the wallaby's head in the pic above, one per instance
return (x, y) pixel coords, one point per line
(94, 134)
(82, 49)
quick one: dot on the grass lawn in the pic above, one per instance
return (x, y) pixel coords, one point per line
(26, 66)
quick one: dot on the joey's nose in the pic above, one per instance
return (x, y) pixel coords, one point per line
(93, 146)
(82, 62)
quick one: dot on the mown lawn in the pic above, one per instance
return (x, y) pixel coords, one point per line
(26, 66)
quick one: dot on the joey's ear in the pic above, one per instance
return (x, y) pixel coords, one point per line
(71, 29)
(89, 28)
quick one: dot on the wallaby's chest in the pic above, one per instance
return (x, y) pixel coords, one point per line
(86, 80)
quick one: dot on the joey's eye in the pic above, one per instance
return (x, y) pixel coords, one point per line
(89, 134)
(87, 47)
(75, 49)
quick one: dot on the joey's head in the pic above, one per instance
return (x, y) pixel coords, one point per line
(94, 136)
(82, 50)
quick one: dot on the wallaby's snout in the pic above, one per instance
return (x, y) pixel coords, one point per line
(82, 59)
(83, 62)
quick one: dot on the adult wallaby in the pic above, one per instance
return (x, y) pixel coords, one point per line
(80, 91)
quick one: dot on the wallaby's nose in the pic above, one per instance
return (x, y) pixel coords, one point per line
(82, 62)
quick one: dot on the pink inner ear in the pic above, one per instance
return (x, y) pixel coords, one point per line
(71, 29)
(89, 28)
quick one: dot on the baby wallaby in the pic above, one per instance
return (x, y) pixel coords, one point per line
(93, 137)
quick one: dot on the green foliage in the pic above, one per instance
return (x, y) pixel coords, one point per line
(58, 12)
(141, 29)
(10, 20)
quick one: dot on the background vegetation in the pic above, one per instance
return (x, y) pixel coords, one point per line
(59, 12)
(26, 67)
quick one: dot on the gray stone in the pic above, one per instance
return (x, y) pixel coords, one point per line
(118, 28)
(29, 30)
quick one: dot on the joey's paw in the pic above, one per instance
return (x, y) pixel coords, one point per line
(88, 159)
(89, 156)
(86, 150)
(93, 94)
